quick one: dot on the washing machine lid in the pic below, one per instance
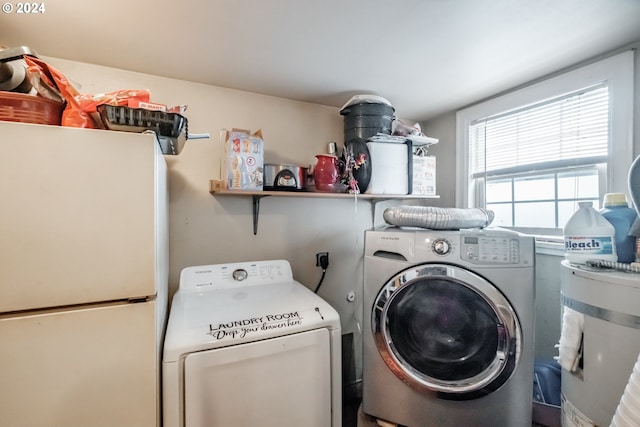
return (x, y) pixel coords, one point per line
(607, 295)
(230, 304)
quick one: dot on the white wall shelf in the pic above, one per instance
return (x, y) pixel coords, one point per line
(218, 188)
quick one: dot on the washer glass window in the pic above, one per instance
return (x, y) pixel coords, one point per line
(446, 329)
(442, 329)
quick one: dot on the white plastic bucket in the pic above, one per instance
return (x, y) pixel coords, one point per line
(589, 236)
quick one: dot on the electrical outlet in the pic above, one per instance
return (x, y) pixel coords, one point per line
(322, 259)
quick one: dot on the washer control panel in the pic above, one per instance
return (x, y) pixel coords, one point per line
(218, 276)
(490, 249)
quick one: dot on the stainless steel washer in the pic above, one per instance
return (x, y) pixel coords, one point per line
(448, 327)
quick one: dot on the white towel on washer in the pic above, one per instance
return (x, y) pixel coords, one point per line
(570, 339)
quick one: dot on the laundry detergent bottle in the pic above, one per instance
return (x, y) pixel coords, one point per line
(621, 216)
(589, 236)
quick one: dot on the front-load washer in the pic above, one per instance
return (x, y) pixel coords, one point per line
(247, 345)
(607, 303)
(448, 337)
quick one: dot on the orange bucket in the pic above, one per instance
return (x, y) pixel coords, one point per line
(19, 107)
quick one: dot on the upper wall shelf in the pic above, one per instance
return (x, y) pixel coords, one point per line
(218, 188)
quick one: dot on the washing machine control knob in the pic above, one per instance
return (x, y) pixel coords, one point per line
(240, 274)
(441, 246)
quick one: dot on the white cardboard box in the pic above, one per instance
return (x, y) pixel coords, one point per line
(424, 175)
(243, 160)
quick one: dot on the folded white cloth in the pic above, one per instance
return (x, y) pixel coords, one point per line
(570, 339)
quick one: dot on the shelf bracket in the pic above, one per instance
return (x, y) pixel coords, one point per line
(374, 209)
(256, 212)
(374, 205)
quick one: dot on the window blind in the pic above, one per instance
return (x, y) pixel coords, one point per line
(554, 133)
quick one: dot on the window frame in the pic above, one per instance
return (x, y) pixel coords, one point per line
(617, 70)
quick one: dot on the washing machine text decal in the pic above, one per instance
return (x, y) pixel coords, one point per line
(238, 329)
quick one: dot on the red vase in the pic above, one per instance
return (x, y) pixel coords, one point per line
(326, 174)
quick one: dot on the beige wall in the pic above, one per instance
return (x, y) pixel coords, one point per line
(443, 128)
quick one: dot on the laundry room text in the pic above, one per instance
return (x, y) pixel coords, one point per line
(238, 329)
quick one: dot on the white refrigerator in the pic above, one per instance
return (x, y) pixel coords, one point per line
(83, 276)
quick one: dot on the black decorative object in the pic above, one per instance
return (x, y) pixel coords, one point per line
(357, 165)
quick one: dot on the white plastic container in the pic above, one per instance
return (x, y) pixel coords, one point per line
(389, 168)
(589, 236)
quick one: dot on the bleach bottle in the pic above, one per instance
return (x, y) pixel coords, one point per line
(621, 216)
(589, 236)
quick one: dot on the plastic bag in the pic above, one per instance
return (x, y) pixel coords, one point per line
(72, 114)
(88, 103)
(81, 108)
(404, 128)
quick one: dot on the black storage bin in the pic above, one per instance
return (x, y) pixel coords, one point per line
(364, 133)
(367, 119)
(368, 109)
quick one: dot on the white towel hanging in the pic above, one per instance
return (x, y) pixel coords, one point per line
(570, 339)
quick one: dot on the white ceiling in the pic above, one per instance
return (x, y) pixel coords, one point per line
(425, 56)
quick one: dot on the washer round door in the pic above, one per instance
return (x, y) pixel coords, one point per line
(444, 329)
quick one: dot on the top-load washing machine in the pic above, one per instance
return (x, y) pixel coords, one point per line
(448, 327)
(247, 345)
